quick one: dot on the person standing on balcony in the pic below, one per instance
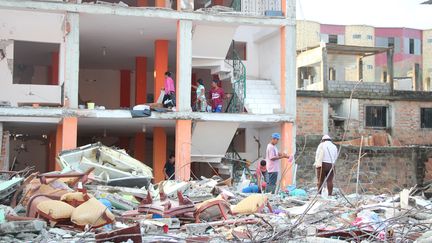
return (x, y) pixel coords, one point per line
(169, 98)
(217, 95)
(201, 103)
(273, 159)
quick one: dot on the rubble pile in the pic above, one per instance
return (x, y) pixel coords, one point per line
(79, 204)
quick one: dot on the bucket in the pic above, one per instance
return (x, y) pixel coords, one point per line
(90, 105)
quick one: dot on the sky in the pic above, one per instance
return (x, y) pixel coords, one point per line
(378, 13)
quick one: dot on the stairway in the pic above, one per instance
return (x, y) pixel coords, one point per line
(262, 97)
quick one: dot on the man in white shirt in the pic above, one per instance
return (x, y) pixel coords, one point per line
(326, 156)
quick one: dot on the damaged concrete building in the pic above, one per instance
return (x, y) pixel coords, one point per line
(355, 81)
(71, 71)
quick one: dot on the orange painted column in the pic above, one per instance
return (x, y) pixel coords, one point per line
(125, 80)
(159, 153)
(140, 80)
(183, 141)
(286, 147)
(160, 3)
(284, 7)
(51, 152)
(123, 143)
(142, 3)
(283, 68)
(218, 2)
(54, 68)
(66, 136)
(160, 65)
(139, 146)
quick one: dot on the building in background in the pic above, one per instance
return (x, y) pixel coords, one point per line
(386, 71)
(59, 58)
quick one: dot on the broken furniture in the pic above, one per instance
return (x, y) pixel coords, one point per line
(111, 167)
(167, 207)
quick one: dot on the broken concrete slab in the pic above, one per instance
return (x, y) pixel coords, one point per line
(22, 226)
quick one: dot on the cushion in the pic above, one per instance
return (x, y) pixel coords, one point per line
(251, 204)
(93, 213)
(75, 198)
(55, 210)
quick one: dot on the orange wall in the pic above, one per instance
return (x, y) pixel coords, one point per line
(159, 153)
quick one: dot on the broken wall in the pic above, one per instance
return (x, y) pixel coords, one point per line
(382, 169)
(35, 27)
(403, 119)
(29, 152)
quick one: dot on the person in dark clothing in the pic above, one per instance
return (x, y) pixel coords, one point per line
(169, 168)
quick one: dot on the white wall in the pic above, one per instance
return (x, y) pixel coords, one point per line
(102, 86)
(251, 152)
(246, 34)
(270, 59)
(26, 26)
(211, 41)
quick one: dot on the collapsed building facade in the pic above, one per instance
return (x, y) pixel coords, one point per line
(57, 57)
(356, 81)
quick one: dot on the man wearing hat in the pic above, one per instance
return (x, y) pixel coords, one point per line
(273, 159)
(325, 157)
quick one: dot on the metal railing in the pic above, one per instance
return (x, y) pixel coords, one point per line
(236, 103)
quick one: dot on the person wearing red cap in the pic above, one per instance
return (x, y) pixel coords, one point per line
(325, 157)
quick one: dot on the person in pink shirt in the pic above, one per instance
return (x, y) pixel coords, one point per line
(273, 159)
(169, 98)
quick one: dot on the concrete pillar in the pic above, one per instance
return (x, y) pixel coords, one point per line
(140, 80)
(183, 141)
(325, 109)
(218, 2)
(184, 65)
(160, 3)
(287, 146)
(160, 65)
(288, 69)
(69, 60)
(125, 84)
(418, 86)
(139, 146)
(359, 68)
(288, 8)
(66, 137)
(52, 152)
(54, 69)
(390, 70)
(159, 153)
(324, 69)
(123, 143)
(142, 3)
